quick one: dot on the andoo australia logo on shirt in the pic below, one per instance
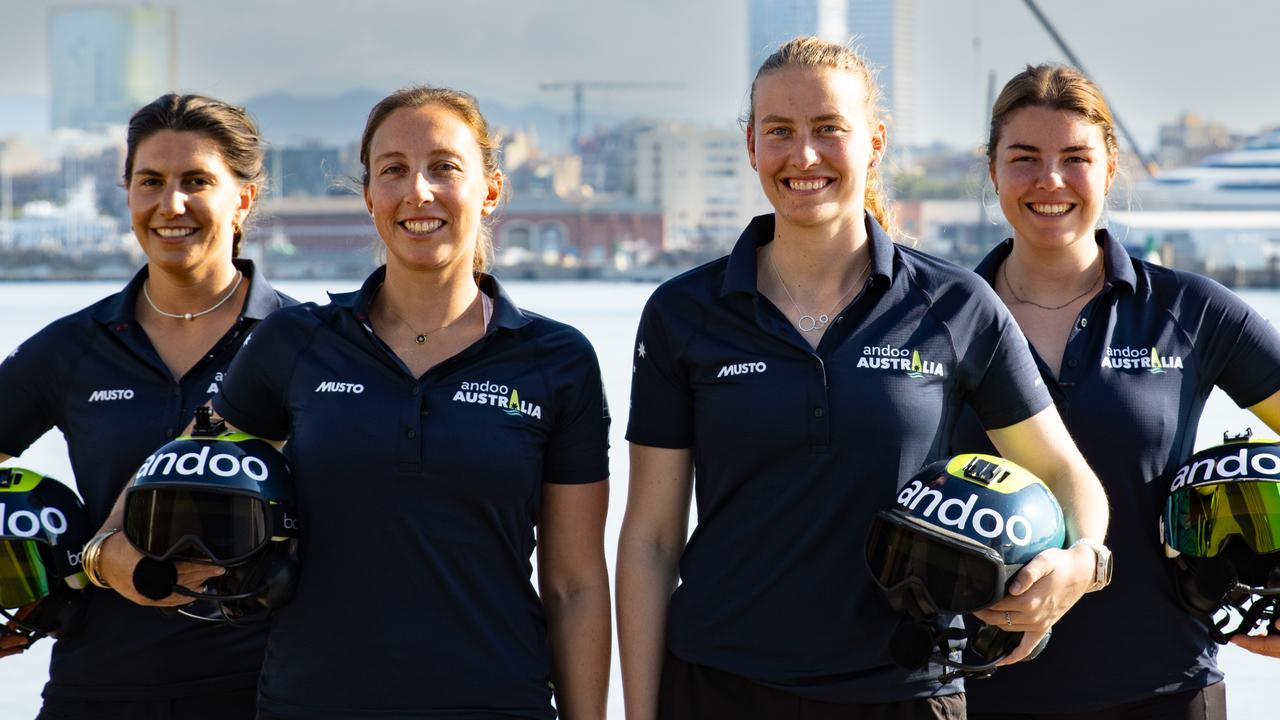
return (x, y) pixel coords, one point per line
(888, 357)
(498, 395)
(1148, 359)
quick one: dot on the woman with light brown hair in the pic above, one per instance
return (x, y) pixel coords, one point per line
(1129, 350)
(754, 375)
(433, 426)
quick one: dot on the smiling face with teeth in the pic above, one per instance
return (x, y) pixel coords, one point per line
(185, 202)
(1052, 171)
(428, 189)
(812, 142)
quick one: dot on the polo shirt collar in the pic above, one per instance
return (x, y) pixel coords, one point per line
(505, 312)
(740, 274)
(119, 308)
(1118, 268)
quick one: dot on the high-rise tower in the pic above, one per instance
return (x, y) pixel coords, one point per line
(883, 30)
(105, 61)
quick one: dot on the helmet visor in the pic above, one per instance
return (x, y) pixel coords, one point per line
(956, 578)
(23, 575)
(197, 525)
(1200, 519)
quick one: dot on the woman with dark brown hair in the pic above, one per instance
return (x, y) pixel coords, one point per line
(126, 375)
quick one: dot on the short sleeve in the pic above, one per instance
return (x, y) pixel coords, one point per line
(578, 445)
(1008, 388)
(29, 390)
(254, 395)
(1242, 350)
(661, 397)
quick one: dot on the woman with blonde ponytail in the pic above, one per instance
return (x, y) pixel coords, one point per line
(775, 376)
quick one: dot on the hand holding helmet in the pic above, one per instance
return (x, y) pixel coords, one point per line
(211, 516)
(961, 531)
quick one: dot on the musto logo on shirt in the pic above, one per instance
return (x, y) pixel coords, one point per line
(498, 395)
(888, 357)
(1149, 359)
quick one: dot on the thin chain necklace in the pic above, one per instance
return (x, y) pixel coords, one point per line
(1004, 270)
(192, 316)
(421, 337)
(819, 322)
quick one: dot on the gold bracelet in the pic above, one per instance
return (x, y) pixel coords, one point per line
(92, 553)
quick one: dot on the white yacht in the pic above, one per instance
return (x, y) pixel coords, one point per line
(1245, 179)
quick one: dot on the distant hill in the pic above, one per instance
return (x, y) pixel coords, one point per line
(288, 119)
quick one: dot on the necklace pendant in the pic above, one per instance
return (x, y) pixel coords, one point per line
(187, 316)
(421, 339)
(807, 323)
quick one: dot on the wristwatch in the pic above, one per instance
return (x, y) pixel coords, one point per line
(1102, 569)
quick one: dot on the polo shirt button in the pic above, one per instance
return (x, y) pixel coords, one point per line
(1084, 322)
(411, 433)
(1072, 362)
(817, 412)
(817, 364)
(415, 390)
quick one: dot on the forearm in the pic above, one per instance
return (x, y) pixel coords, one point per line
(1083, 501)
(646, 578)
(578, 626)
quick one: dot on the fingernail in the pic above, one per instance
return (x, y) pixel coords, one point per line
(1015, 588)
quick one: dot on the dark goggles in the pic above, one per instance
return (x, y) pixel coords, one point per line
(1199, 520)
(24, 574)
(946, 575)
(168, 523)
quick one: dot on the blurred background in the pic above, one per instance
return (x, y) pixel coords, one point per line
(622, 145)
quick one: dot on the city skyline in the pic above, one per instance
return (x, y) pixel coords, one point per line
(1138, 52)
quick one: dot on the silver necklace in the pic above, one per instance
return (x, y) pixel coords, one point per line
(421, 337)
(192, 316)
(1004, 270)
(821, 321)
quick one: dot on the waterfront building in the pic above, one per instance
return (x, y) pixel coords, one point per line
(702, 181)
(105, 61)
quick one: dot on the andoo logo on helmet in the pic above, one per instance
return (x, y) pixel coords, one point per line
(958, 513)
(24, 523)
(195, 463)
(1249, 461)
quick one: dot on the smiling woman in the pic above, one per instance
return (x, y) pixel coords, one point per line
(430, 401)
(794, 387)
(1129, 351)
(122, 377)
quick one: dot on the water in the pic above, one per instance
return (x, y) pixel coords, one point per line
(607, 313)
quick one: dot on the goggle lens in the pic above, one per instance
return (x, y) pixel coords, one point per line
(1200, 519)
(956, 580)
(196, 525)
(23, 577)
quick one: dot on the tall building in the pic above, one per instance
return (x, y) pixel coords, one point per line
(882, 30)
(105, 61)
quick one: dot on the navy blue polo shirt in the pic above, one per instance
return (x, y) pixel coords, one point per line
(795, 450)
(95, 376)
(1140, 361)
(418, 499)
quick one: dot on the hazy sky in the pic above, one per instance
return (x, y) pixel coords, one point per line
(1154, 58)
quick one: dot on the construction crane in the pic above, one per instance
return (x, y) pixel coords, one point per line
(579, 88)
(1147, 163)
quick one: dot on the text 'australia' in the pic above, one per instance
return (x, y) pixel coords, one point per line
(497, 395)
